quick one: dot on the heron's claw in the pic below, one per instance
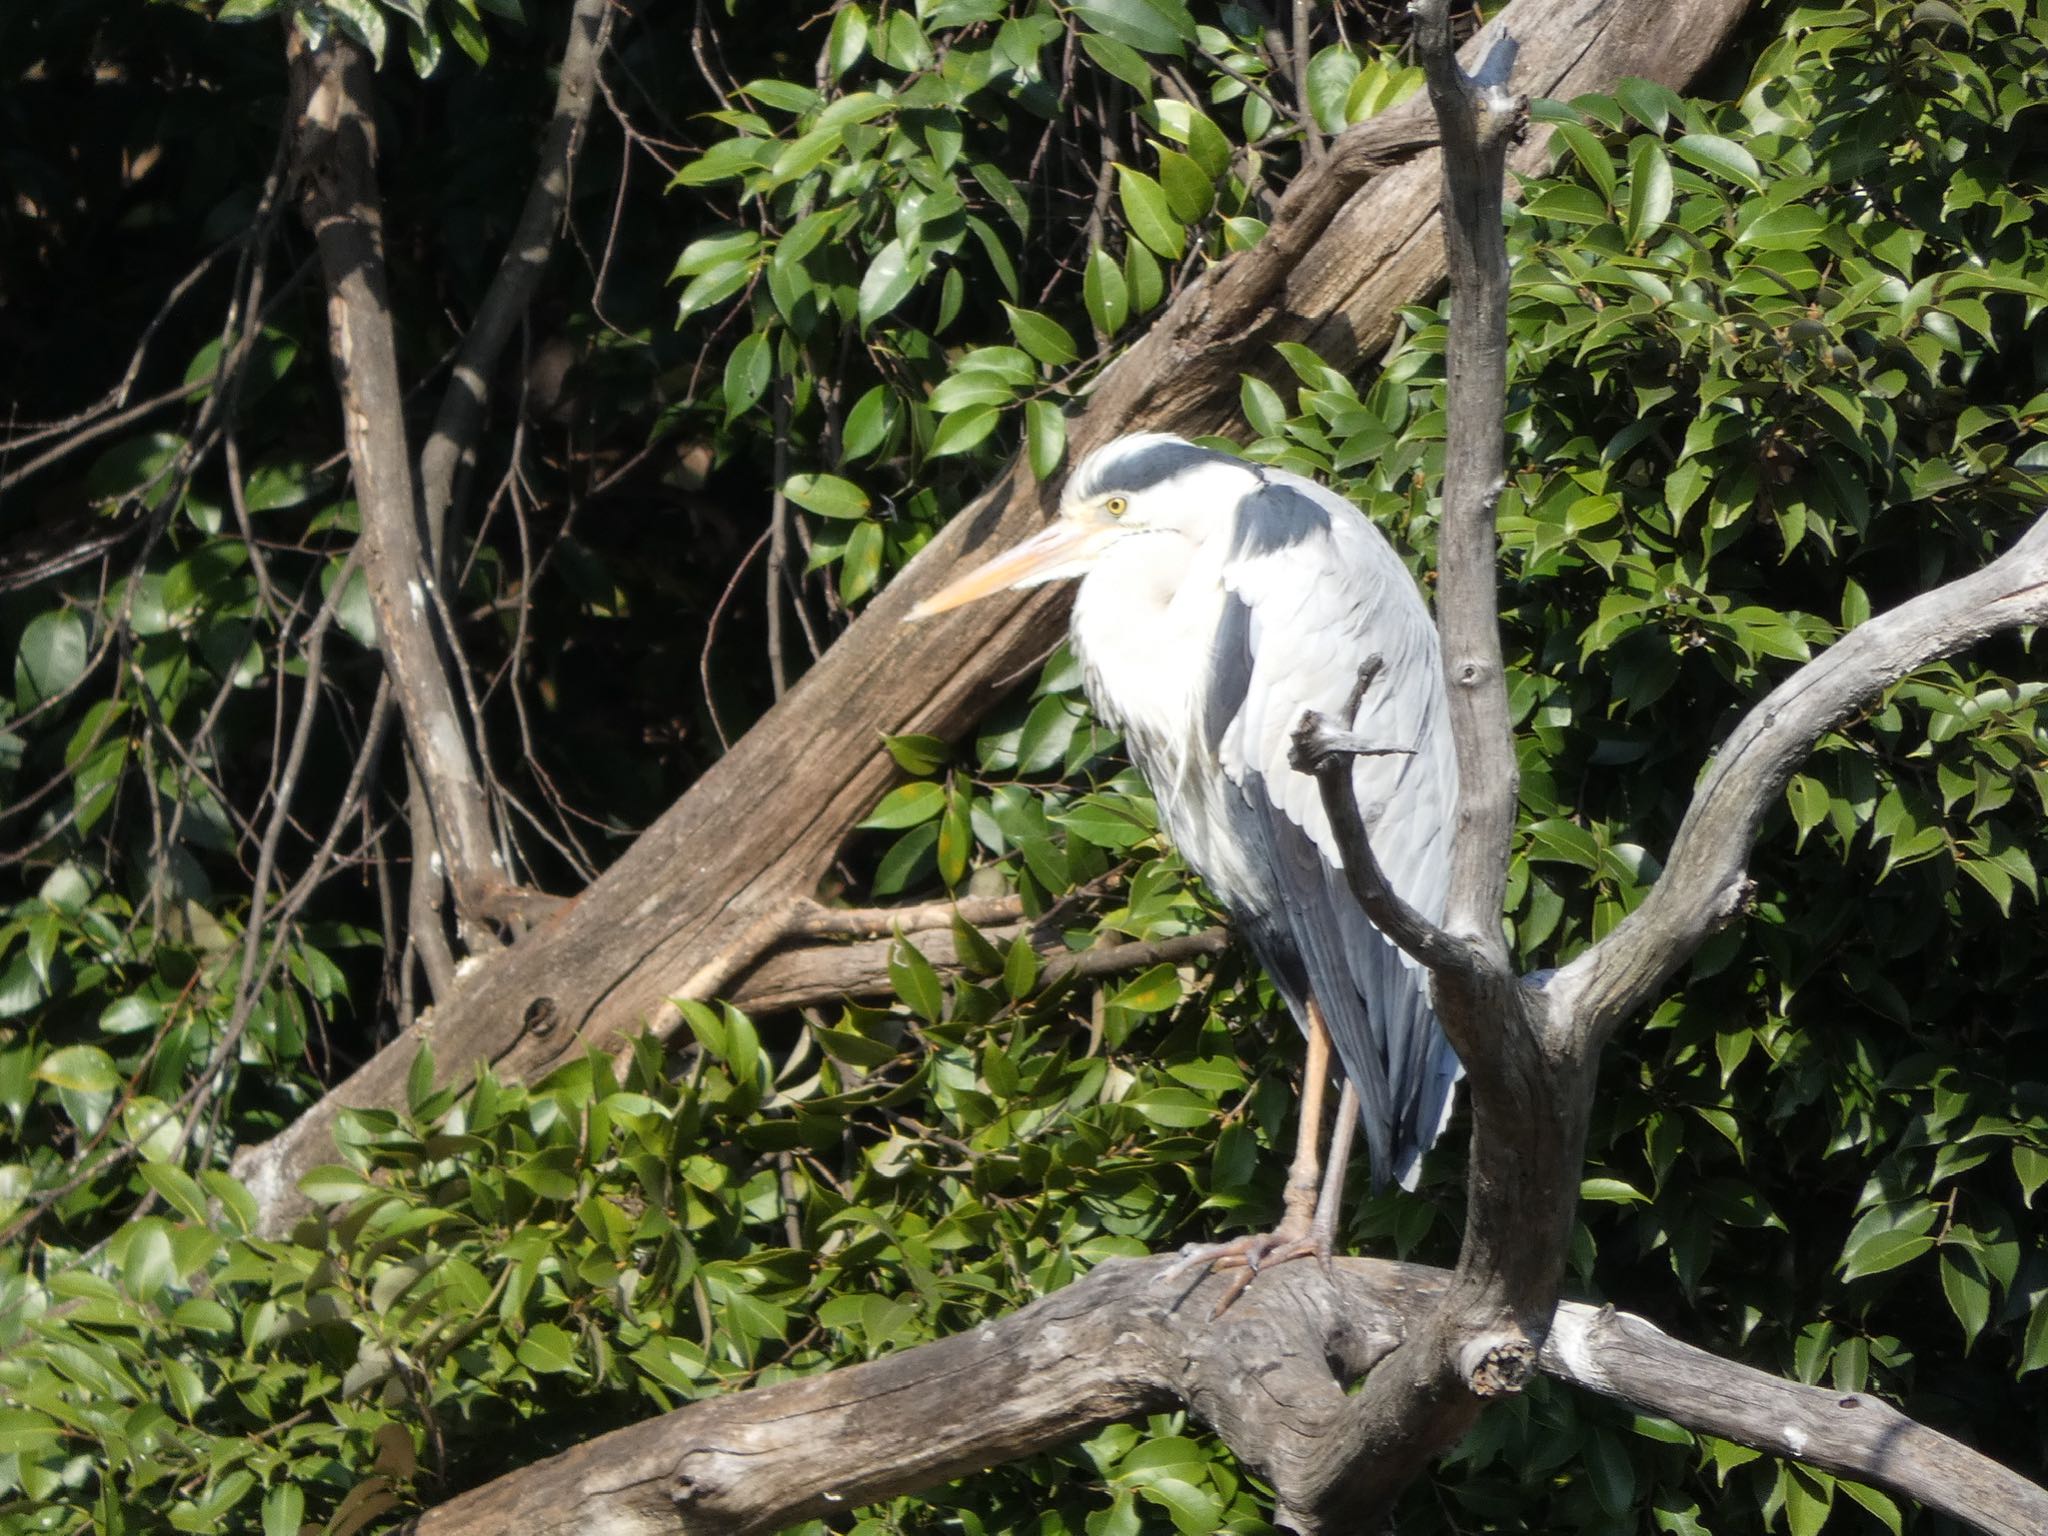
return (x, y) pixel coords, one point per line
(1248, 1255)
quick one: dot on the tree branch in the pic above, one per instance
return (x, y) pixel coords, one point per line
(1482, 1335)
(823, 973)
(335, 127)
(1705, 883)
(1479, 118)
(1622, 1356)
(452, 442)
(1130, 1338)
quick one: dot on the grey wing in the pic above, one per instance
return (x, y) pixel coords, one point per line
(1314, 592)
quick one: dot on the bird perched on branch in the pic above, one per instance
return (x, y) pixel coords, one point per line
(1219, 602)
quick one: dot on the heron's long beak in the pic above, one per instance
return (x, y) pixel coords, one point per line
(1067, 548)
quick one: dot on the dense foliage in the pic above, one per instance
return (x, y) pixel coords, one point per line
(1775, 364)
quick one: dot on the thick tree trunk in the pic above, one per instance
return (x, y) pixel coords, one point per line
(710, 886)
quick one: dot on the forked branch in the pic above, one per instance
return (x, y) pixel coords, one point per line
(1702, 885)
(452, 443)
(1270, 1375)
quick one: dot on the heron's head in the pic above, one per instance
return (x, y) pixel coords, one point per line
(1150, 483)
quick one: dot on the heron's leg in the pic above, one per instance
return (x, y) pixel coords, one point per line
(1324, 1231)
(1304, 1176)
(1302, 1232)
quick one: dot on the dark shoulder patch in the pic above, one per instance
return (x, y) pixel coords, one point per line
(1276, 517)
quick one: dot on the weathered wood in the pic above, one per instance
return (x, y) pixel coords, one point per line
(825, 973)
(1620, 1355)
(1270, 1375)
(335, 139)
(1704, 883)
(707, 885)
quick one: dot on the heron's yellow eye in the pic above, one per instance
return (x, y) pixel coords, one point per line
(1117, 506)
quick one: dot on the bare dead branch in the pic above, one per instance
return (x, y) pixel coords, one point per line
(1478, 119)
(1703, 885)
(337, 153)
(822, 973)
(1620, 1355)
(1328, 755)
(1271, 1376)
(460, 418)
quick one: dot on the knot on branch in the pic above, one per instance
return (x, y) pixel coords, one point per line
(1734, 899)
(1317, 746)
(1498, 1364)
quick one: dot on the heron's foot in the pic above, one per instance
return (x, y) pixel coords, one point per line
(1242, 1258)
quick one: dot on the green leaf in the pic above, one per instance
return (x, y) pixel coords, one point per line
(2034, 1349)
(1809, 800)
(363, 21)
(1151, 991)
(1611, 1473)
(284, 1510)
(51, 658)
(1564, 203)
(178, 1189)
(907, 805)
(964, 429)
(1020, 968)
(1262, 407)
(1723, 157)
(147, 1261)
(1189, 192)
(1792, 228)
(867, 424)
(1808, 1497)
(474, 41)
(1649, 194)
(1179, 1109)
(1104, 292)
(861, 566)
(1045, 434)
(847, 41)
(1330, 74)
(918, 754)
(915, 982)
(889, 279)
(1153, 26)
(1878, 1504)
(1142, 278)
(1968, 1291)
(1147, 212)
(1115, 59)
(81, 1068)
(746, 374)
(1881, 1251)
(2030, 1167)
(1044, 338)
(547, 1348)
(332, 1184)
(827, 495)
(352, 610)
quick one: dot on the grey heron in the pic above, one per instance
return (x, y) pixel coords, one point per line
(1219, 601)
